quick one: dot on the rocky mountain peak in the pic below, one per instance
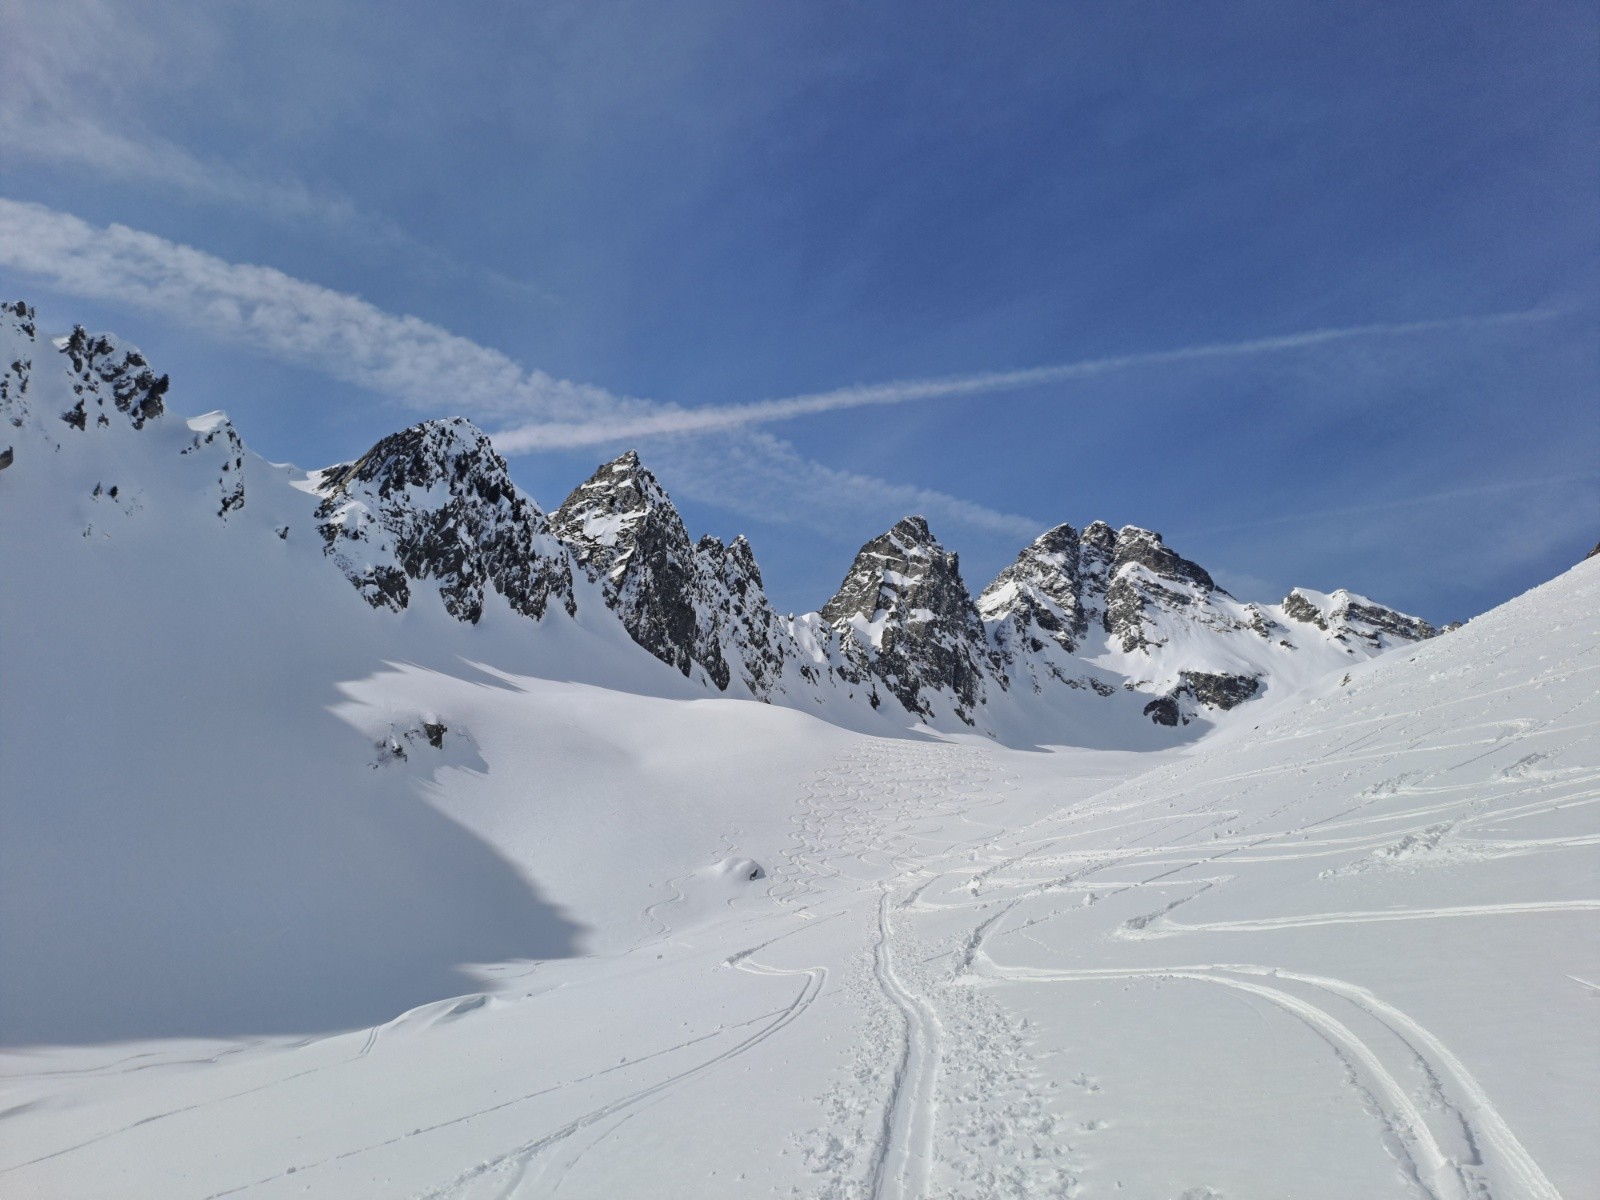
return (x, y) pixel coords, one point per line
(454, 452)
(1040, 594)
(618, 508)
(623, 529)
(105, 370)
(906, 612)
(1348, 617)
(436, 501)
(900, 570)
(1145, 548)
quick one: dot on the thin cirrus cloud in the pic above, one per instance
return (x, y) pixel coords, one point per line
(417, 363)
(717, 454)
(673, 420)
(79, 72)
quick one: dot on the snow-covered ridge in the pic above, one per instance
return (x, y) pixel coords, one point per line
(1081, 626)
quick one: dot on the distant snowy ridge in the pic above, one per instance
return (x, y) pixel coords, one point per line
(1097, 627)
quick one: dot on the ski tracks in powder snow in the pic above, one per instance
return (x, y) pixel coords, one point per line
(941, 1097)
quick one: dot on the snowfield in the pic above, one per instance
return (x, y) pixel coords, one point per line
(304, 895)
(1348, 952)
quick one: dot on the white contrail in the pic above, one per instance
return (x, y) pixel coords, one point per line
(549, 436)
(434, 371)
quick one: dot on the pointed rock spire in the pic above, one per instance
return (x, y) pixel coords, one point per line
(912, 621)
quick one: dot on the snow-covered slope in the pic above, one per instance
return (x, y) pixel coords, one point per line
(1351, 952)
(353, 846)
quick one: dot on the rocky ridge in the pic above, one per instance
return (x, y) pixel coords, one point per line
(436, 502)
(1080, 617)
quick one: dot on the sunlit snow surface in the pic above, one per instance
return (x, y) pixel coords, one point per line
(1350, 952)
(298, 897)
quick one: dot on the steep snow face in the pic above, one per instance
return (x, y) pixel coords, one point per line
(1082, 610)
(914, 624)
(435, 502)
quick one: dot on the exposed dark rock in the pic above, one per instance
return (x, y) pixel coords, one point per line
(1348, 616)
(105, 371)
(1299, 608)
(1163, 710)
(624, 531)
(907, 614)
(1220, 691)
(1147, 576)
(1040, 595)
(22, 314)
(436, 502)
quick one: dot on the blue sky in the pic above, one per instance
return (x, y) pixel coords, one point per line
(1333, 267)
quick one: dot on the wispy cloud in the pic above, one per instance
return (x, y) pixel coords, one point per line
(699, 420)
(78, 74)
(75, 140)
(711, 454)
(401, 357)
(1448, 496)
(432, 370)
(76, 71)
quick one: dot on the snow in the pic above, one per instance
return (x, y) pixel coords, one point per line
(1342, 945)
(1345, 953)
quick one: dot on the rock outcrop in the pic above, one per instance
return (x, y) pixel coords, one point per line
(435, 502)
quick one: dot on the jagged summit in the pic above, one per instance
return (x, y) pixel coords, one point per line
(435, 501)
(1124, 601)
(1040, 595)
(621, 506)
(1345, 615)
(889, 570)
(911, 622)
(105, 377)
(624, 531)
(1081, 617)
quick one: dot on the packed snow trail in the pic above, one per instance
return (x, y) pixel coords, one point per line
(901, 1168)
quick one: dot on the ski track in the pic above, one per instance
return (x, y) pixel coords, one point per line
(897, 832)
(901, 1168)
